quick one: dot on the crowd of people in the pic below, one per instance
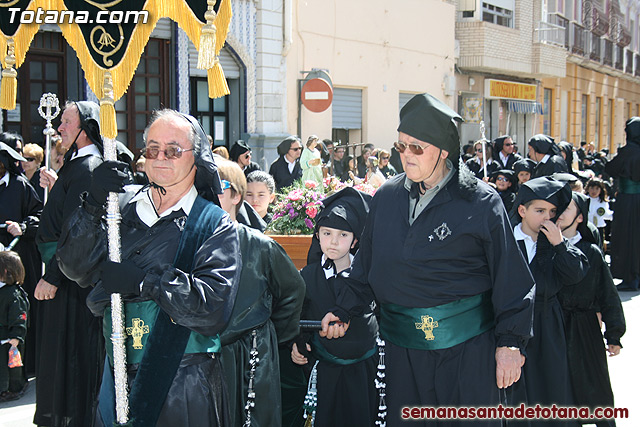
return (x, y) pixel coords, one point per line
(473, 277)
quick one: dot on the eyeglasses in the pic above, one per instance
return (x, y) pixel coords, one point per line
(30, 159)
(478, 150)
(415, 148)
(384, 158)
(170, 153)
(508, 145)
(502, 178)
(295, 149)
(248, 155)
(225, 184)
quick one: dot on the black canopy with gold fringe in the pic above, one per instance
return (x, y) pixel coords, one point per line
(108, 52)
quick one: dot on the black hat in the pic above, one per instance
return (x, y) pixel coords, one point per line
(523, 165)
(567, 148)
(583, 201)
(564, 177)
(544, 188)
(507, 173)
(544, 144)
(498, 143)
(239, 148)
(123, 152)
(430, 120)
(9, 157)
(285, 145)
(632, 129)
(89, 113)
(345, 210)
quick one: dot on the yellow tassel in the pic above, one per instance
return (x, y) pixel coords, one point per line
(9, 87)
(217, 82)
(207, 47)
(223, 19)
(108, 124)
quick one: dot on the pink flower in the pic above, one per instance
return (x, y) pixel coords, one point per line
(295, 195)
(312, 211)
(310, 184)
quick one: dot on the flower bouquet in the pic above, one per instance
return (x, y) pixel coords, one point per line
(296, 209)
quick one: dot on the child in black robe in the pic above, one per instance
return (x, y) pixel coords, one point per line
(581, 303)
(346, 371)
(505, 182)
(13, 324)
(554, 263)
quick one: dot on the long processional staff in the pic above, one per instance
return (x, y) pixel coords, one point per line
(439, 255)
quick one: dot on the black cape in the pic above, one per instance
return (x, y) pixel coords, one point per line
(281, 175)
(554, 164)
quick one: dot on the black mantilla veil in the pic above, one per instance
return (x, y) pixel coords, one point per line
(9, 157)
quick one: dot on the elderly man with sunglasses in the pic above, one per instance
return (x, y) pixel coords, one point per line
(286, 169)
(180, 266)
(503, 147)
(438, 256)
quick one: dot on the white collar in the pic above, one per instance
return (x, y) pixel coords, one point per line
(329, 272)
(146, 210)
(5, 179)
(545, 158)
(503, 157)
(2, 284)
(575, 239)
(529, 243)
(89, 150)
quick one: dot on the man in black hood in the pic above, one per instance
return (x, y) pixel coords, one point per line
(545, 152)
(503, 147)
(286, 169)
(64, 312)
(241, 154)
(437, 238)
(625, 229)
(178, 276)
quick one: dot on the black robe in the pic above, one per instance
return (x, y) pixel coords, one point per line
(13, 324)
(545, 376)
(269, 301)
(19, 202)
(409, 265)
(511, 159)
(388, 171)
(67, 386)
(35, 183)
(554, 164)
(625, 228)
(586, 353)
(279, 170)
(201, 300)
(478, 170)
(338, 168)
(346, 393)
(508, 198)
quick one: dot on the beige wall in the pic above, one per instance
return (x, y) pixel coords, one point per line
(380, 47)
(583, 81)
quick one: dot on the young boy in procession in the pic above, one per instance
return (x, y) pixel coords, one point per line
(582, 303)
(505, 182)
(523, 169)
(13, 324)
(554, 263)
(261, 192)
(346, 371)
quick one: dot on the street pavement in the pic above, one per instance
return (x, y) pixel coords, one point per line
(625, 376)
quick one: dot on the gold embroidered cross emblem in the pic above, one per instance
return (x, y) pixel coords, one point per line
(427, 325)
(137, 331)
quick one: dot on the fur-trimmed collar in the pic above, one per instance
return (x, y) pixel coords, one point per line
(467, 181)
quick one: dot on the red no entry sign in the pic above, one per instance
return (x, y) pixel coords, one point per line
(317, 95)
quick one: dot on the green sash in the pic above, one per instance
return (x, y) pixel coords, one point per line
(321, 353)
(47, 250)
(627, 186)
(438, 327)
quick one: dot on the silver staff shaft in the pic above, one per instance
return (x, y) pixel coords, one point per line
(49, 109)
(118, 334)
(484, 148)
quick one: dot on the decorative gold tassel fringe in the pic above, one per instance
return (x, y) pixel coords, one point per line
(217, 82)
(9, 86)
(207, 48)
(223, 19)
(108, 125)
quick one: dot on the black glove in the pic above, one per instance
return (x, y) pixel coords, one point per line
(110, 176)
(121, 277)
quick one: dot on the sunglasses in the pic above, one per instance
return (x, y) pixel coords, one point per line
(225, 184)
(508, 145)
(295, 149)
(479, 150)
(502, 178)
(30, 159)
(170, 153)
(248, 155)
(384, 158)
(415, 148)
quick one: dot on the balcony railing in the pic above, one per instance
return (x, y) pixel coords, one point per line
(550, 33)
(628, 62)
(607, 50)
(577, 39)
